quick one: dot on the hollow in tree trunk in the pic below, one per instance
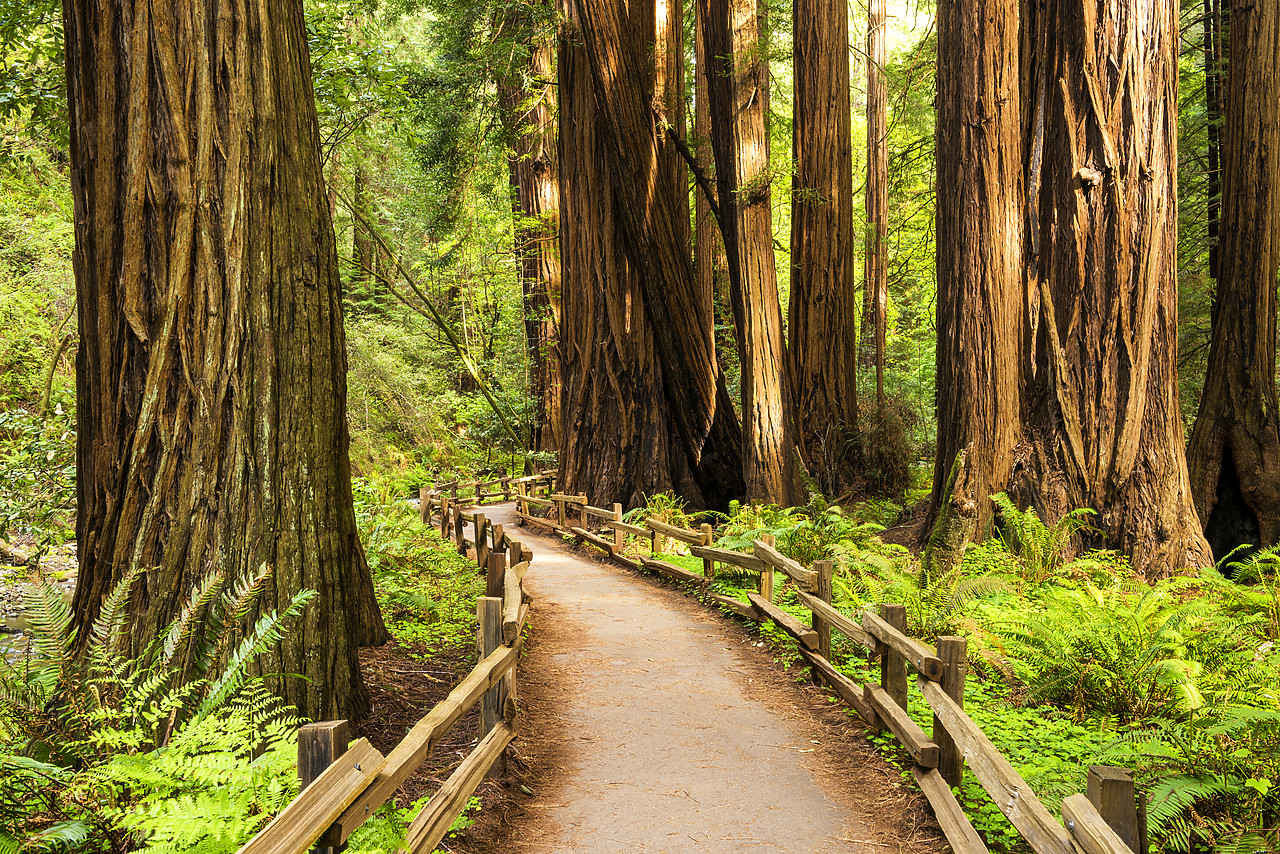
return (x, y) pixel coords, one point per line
(1234, 454)
(211, 377)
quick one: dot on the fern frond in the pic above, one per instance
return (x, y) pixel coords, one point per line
(108, 628)
(267, 631)
(196, 603)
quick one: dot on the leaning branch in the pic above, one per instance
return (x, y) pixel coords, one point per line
(430, 313)
(699, 174)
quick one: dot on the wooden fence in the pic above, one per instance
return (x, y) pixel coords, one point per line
(1107, 820)
(343, 785)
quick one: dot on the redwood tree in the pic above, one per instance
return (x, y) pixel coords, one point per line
(1103, 412)
(979, 263)
(823, 311)
(738, 101)
(875, 259)
(211, 377)
(1234, 455)
(526, 93)
(645, 405)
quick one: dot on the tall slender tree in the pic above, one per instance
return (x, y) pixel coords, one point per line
(211, 377)
(1234, 454)
(1103, 412)
(823, 310)
(525, 92)
(710, 265)
(980, 266)
(737, 96)
(875, 256)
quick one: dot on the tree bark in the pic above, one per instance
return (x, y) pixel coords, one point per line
(529, 124)
(710, 265)
(876, 273)
(1103, 409)
(737, 96)
(363, 248)
(979, 262)
(211, 377)
(645, 406)
(823, 311)
(1234, 454)
(1214, 72)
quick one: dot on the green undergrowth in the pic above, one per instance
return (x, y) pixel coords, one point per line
(1073, 661)
(426, 590)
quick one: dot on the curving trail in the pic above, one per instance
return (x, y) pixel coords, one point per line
(652, 724)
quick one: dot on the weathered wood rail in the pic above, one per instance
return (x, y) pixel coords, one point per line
(1105, 821)
(343, 785)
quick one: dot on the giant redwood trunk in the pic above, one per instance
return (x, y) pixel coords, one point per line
(1103, 408)
(211, 378)
(1234, 455)
(979, 263)
(644, 404)
(823, 311)
(525, 93)
(738, 96)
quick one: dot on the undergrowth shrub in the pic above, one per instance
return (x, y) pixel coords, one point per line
(1120, 652)
(1040, 548)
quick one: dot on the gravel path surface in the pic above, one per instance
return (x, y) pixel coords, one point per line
(652, 724)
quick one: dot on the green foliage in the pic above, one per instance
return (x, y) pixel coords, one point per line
(37, 477)
(109, 751)
(32, 83)
(1038, 547)
(426, 590)
(1120, 652)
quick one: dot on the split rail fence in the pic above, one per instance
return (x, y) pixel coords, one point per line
(1107, 819)
(343, 785)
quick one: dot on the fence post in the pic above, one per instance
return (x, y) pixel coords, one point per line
(453, 487)
(893, 667)
(424, 505)
(582, 515)
(459, 534)
(823, 591)
(954, 653)
(708, 565)
(482, 540)
(497, 567)
(489, 612)
(319, 746)
(506, 488)
(766, 574)
(560, 516)
(499, 539)
(618, 536)
(659, 542)
(1110, 790)
(444, 516)
(513, 551)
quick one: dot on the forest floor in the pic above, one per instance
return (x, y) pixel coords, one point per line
(650, 723)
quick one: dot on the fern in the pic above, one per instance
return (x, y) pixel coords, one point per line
(130, 752)
(1039, 548)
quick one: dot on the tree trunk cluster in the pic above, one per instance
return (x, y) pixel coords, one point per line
(1068, 259)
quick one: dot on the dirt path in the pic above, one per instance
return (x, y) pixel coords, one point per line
(652, 724)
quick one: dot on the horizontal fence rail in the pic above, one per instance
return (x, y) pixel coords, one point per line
(343, 786)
